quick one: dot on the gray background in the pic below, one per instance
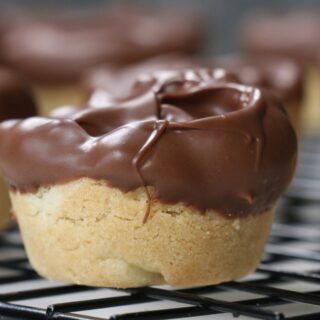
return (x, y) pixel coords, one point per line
(223, 16)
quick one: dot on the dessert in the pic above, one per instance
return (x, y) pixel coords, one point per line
(284, 76)
(16, 101)
(103, 81)
(54, 49)
(176, 182)
(295, 35)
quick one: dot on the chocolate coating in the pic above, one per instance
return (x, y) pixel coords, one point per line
(102, 84)
(192, 136)
(60, 46)
(108, 76)
(65, 112)
(294, 34)
(16, 99)
(284, 76)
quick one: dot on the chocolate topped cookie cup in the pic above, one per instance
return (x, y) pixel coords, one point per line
(175, 183)
(283, 76)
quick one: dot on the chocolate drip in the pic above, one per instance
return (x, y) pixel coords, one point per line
(159, 127)
(202, 141)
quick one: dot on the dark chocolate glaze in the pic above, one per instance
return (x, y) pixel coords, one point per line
(65, 112)
(288, 33)
(284, 76)
(59, 46)
(108, 76)
(103, 90)
(16, 99)
(192, 136)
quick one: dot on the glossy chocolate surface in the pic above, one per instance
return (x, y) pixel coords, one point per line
(107, 83)
(60, 46)
(284, 76)
(118, 80)
(65, 112)
(16, 99)
(191, 135)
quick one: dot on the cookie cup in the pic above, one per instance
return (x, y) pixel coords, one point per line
(87, 232)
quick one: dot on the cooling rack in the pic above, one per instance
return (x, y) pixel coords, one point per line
(303, 197)
(285, 286)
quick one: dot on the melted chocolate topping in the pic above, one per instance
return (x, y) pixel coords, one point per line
(138, 77)
(192, 136)
(65, 112)
(16, 99)
(60, 46)
(284, 76)
(106, 78)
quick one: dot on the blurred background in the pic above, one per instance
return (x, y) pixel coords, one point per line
(223, 17)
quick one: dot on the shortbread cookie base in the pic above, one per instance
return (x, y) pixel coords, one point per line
(87, 232)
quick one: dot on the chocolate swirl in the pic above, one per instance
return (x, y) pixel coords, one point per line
(208, 143)
(284, 76)
(106, 78)
(138, 78)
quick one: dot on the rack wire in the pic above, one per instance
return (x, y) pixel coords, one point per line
(303, 197)
(285, 286)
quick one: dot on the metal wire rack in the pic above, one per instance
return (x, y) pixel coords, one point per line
(286, 285)
(303, 197)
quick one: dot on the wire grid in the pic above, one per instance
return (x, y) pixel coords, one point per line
(303, 197)
(274, 285)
